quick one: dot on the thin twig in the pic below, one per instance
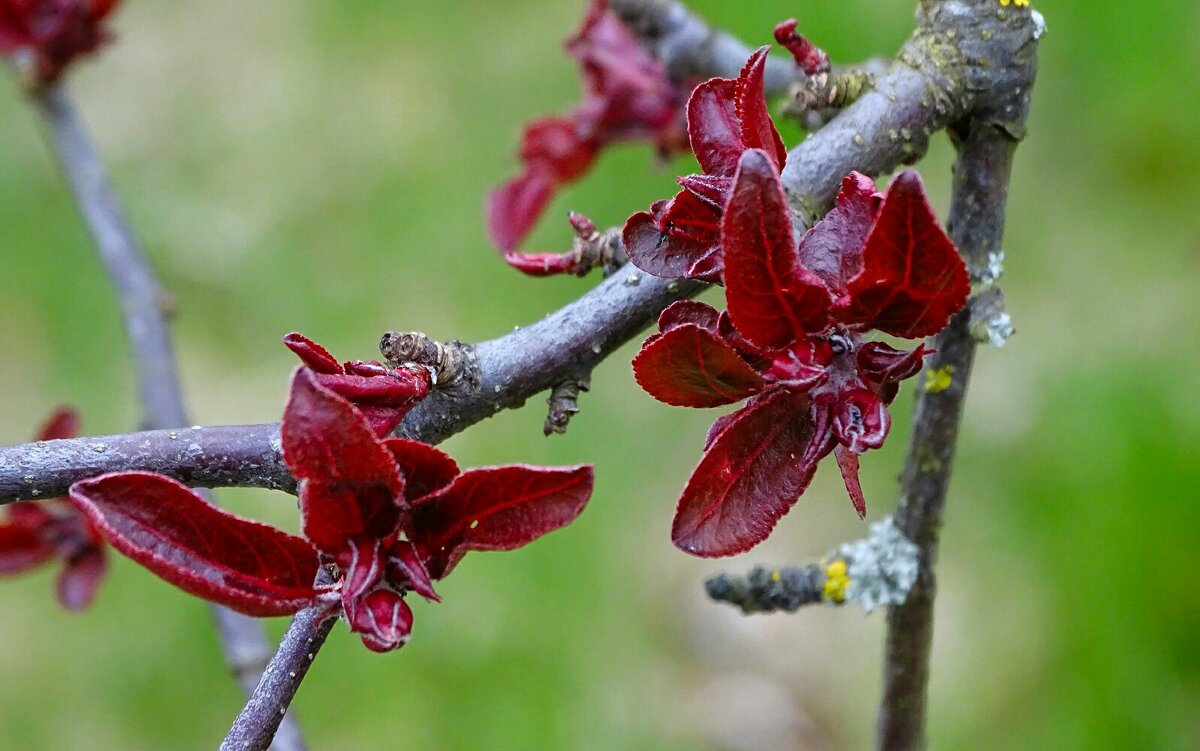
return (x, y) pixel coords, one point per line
(256, 724)
(242, 638)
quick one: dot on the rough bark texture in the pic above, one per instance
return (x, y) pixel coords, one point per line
(998, 48)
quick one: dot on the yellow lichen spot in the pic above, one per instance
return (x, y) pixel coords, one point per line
(836, 582)
(776, 576)
(1017, 3)
(938, 380)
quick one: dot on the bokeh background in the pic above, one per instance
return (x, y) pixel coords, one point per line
(321, 166)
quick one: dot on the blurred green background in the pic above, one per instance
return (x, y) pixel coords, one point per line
(320, 167)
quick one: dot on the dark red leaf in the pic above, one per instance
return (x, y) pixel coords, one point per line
(243, 564)
(713, 128)
(32, 515)
(497, 508)
(809, 58)
(312, 354)
(680, 237)
(383, 396)
(682, 312)
(882, 364)
(63, 423)
(543, 264)
(628, 94)
(750, 476)
(689, 366)
(711, 189)
(408, 571)
(21, 549)
(350, 485)
(913, 279)
(773, 301)
(424, 467)
(847, 462)
(758, 130)
(514, 207)
(80, 578)
(833, 248)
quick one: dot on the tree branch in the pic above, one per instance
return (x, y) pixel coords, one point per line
(242, 638)
(879, 569)
(692, 50)
(258, 721)
(986, 142)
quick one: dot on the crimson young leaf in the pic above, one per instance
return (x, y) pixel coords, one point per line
(163, 525)
(496, 508)
(912, 278)
(753, 471)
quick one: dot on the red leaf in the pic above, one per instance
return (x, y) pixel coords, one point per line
(773, 301)
(753, 472)
(882, 364)
(425, 468)
(407, 570)
(680, 237)
(809, 58)
(243, 564)
(543, 264)
(913, 279)
(833, 248)
(312, 354)
(497, 508)
(383, 396)
(21, 549)
(758, 130)
(80, 578)
(689, 366)
(63, 423)
(847, 462)
(682, 312)
(711, 189)
(350, 485)
(514, 207)
(713, 128)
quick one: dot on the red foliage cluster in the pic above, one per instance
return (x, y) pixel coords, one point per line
(55, 32)
(387, 516)
(792, 340)
(627, 96)
(682, 236)
(382, 395)
(35, 532)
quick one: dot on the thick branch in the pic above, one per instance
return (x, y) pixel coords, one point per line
(142, 307)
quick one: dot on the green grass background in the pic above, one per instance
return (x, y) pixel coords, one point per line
(320, 166)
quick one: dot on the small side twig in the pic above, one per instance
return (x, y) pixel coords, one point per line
(143, 308)
(564, 403)
(879, 569)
